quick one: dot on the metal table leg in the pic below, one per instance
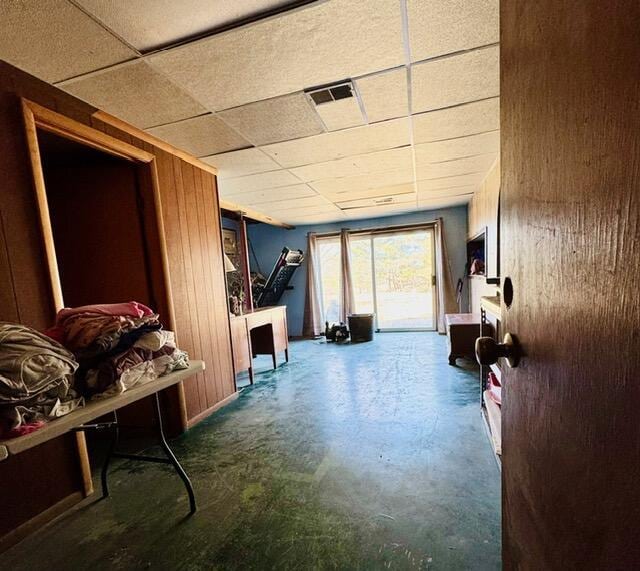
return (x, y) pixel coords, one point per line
(170, 456)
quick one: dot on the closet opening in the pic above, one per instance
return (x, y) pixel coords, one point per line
(102, 233)
(99, 224)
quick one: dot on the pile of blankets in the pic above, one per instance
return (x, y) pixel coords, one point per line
(36, 380)
(117, 346)
(92, 352)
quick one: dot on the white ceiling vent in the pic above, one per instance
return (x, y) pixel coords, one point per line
(338, 105)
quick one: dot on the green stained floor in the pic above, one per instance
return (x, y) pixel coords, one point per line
(370, 456)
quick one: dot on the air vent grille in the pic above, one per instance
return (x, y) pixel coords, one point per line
(329, 93)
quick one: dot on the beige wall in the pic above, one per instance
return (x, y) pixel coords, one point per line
(483, 212)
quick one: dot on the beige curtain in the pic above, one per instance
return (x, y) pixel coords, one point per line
(312, 324)
(347, 300)
(445, 290)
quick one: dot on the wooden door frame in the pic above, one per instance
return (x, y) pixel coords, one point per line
(38, 117)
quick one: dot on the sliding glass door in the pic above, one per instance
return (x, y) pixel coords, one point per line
(393, 276)
(330, 280)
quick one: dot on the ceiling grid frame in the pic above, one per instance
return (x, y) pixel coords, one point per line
(437, 157)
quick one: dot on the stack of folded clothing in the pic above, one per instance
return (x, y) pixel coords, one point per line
(117, 346)
(36, 380)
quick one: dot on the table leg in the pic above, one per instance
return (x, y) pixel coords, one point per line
(112, 448)
(174, 461)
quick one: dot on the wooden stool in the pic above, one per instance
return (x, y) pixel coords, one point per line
(462, 331)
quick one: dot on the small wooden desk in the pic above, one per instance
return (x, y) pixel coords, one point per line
(262, 331)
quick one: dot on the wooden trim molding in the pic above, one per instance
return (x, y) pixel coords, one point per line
(252, 214)
(205, 413)
(48, 120)
(28, 112)
(30, 526)
(146, 137)
(38, 117)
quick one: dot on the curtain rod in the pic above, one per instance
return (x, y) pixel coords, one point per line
(381, 230)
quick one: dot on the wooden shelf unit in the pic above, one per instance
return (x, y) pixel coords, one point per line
(490, 317)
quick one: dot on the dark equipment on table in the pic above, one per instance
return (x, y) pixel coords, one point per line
(361, 327)
(338, 332)
(279, 277)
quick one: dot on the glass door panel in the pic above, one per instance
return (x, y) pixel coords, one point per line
(403, 272)
(362, 274)
(329, 251)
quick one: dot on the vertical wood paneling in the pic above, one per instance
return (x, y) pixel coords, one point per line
(192, 302)
(219, 296)
(213, 394)
(175, 243)
(192, 232)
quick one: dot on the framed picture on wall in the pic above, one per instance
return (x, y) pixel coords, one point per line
(230, 241)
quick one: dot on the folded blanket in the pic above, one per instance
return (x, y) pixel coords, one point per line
(36, 377)
(131, 309)
(133, 367)
(78, 328)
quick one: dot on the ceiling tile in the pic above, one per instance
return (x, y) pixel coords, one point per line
(149, 24)
(54, 40)
(384, 95)
(380, 161)
(339, 144)
(317, 203)
(380, 211)
(386, 200)
(240, 163)
(468, 165)
(362, 182)
(315, 219)
(446, 26)
(262, 181)
(458, 148)
(136, 93)
(260, 197)
(293, 215)
(452, 181)
(455, 79)
(425, 194)
(467, 119)
(434, 203)
(200, 136)
(341, 114)
(302, 48)
(392, 190)
(273, 120)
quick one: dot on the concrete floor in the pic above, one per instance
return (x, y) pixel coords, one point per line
(368, 456)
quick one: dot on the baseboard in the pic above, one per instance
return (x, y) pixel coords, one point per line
(205, 413)
(30, 526)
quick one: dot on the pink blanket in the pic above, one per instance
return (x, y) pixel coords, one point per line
(77, 327)
(131, 308)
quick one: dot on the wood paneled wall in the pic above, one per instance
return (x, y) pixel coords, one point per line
(192, 231)
(483, 213)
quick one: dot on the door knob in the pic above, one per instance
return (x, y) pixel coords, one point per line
(488, 350)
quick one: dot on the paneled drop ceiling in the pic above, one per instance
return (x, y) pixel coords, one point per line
(413, 123)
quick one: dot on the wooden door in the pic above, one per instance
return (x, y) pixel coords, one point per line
(570, 203)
